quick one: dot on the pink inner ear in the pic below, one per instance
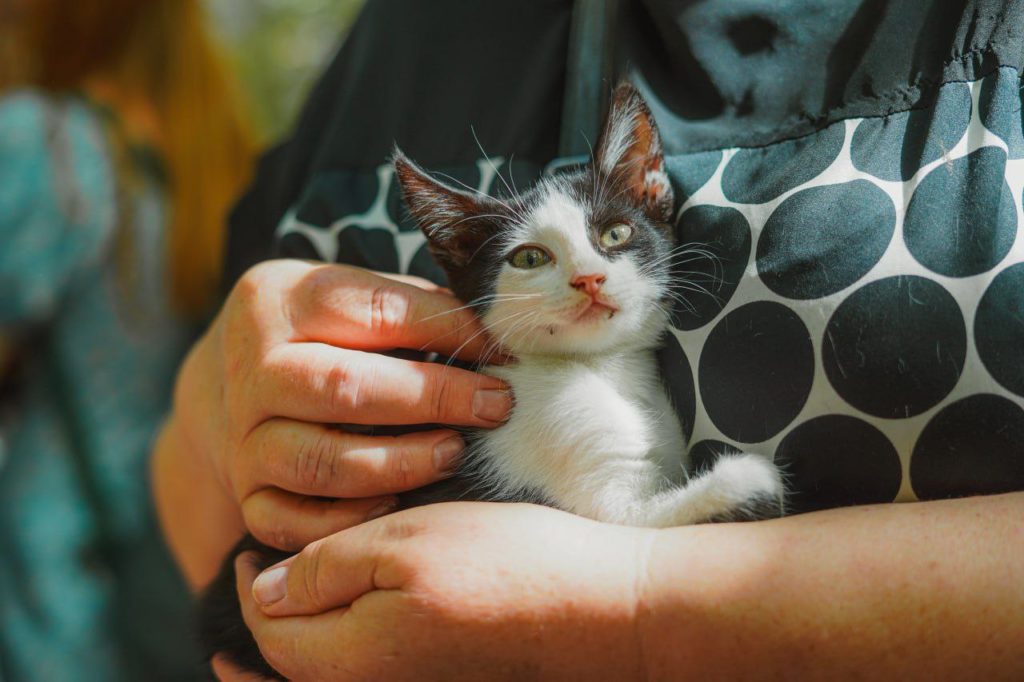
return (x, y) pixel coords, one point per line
(632, 136)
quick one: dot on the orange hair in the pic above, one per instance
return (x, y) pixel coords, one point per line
(159, 52)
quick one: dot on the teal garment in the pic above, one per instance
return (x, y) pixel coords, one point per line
(89, 591)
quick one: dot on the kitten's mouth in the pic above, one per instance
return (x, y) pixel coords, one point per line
(596, 310)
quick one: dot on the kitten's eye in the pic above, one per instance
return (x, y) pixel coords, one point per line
(528, 257)
(615, 235)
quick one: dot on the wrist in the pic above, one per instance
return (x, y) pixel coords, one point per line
(597, 617)
(698, 583)
(193, 423)
(199, 519)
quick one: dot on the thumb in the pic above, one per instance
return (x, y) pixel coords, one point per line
(327, 574)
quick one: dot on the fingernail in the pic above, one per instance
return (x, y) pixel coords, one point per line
(492, 405)
(385, 507)
(445, 453)
(270, 586)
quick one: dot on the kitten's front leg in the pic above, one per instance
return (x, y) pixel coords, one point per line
(738, 488)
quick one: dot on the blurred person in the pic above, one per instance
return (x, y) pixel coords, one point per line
(121, 147)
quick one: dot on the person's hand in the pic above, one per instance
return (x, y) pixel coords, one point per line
(292, 352)
(454, 591)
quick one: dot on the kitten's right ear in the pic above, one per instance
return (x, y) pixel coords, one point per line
(447, 216)
(629, 151)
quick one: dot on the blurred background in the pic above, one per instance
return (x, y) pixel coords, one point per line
(128, 128)
(277, 48)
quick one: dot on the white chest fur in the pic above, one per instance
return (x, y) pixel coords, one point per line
(583, 429)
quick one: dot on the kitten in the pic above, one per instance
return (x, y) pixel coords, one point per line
(572, 279)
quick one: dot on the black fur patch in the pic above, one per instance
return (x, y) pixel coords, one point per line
(755, 509)
(221, 627)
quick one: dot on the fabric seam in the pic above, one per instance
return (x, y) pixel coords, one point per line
(917, 88)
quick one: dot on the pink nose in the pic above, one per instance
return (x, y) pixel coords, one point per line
(590, 284)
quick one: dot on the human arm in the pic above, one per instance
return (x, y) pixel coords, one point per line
(248, 445)
(930, 590)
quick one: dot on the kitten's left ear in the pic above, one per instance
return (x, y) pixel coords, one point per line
(452, 220)
(629, 152)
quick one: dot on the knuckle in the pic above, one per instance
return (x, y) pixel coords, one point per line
(317, 461)
(267, 525)
(342, 387)
(314, 578)
(441, 395)
(250, 283)
(399, 468)
(389, 309)
(262, 297)
(323, 290)
(270, 532)
(253, 287)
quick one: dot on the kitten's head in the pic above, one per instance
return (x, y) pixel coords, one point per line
(578, 264)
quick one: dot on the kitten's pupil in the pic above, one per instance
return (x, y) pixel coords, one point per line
(616, 235)
(528, 257)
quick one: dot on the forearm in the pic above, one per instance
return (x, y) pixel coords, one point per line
(924, 591)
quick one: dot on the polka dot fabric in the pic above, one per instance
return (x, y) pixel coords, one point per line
(860, 317)
(863, 321)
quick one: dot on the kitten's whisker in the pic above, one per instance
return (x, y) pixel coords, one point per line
(478, 333)
(686, 250)
(593, 162)
(718, 270)
(511, 174)
(522, 324)
(484, 195)
(486, 242)
(698, 276)
(488, 159)
(687, 285)
(506, 333)
(454, 355)
(683, 301)
(696, 288)
(478, 301)
(476, 216)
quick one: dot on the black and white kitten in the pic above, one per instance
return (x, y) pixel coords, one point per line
(572, 279)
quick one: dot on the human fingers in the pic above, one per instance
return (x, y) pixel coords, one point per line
(290, 521)
(355, 308)
(328, 574)
(314, 459)
(320, 383)
(298, 647)
(270, 635)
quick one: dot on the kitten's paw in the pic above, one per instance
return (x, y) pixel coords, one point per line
(749, 488)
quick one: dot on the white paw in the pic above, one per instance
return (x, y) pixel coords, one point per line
(746, 486)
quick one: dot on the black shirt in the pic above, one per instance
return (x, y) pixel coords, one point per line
(856, 166)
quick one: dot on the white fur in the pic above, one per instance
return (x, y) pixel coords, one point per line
(592, 429)
(620, 135)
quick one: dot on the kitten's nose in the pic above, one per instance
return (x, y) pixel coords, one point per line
(590, 284)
